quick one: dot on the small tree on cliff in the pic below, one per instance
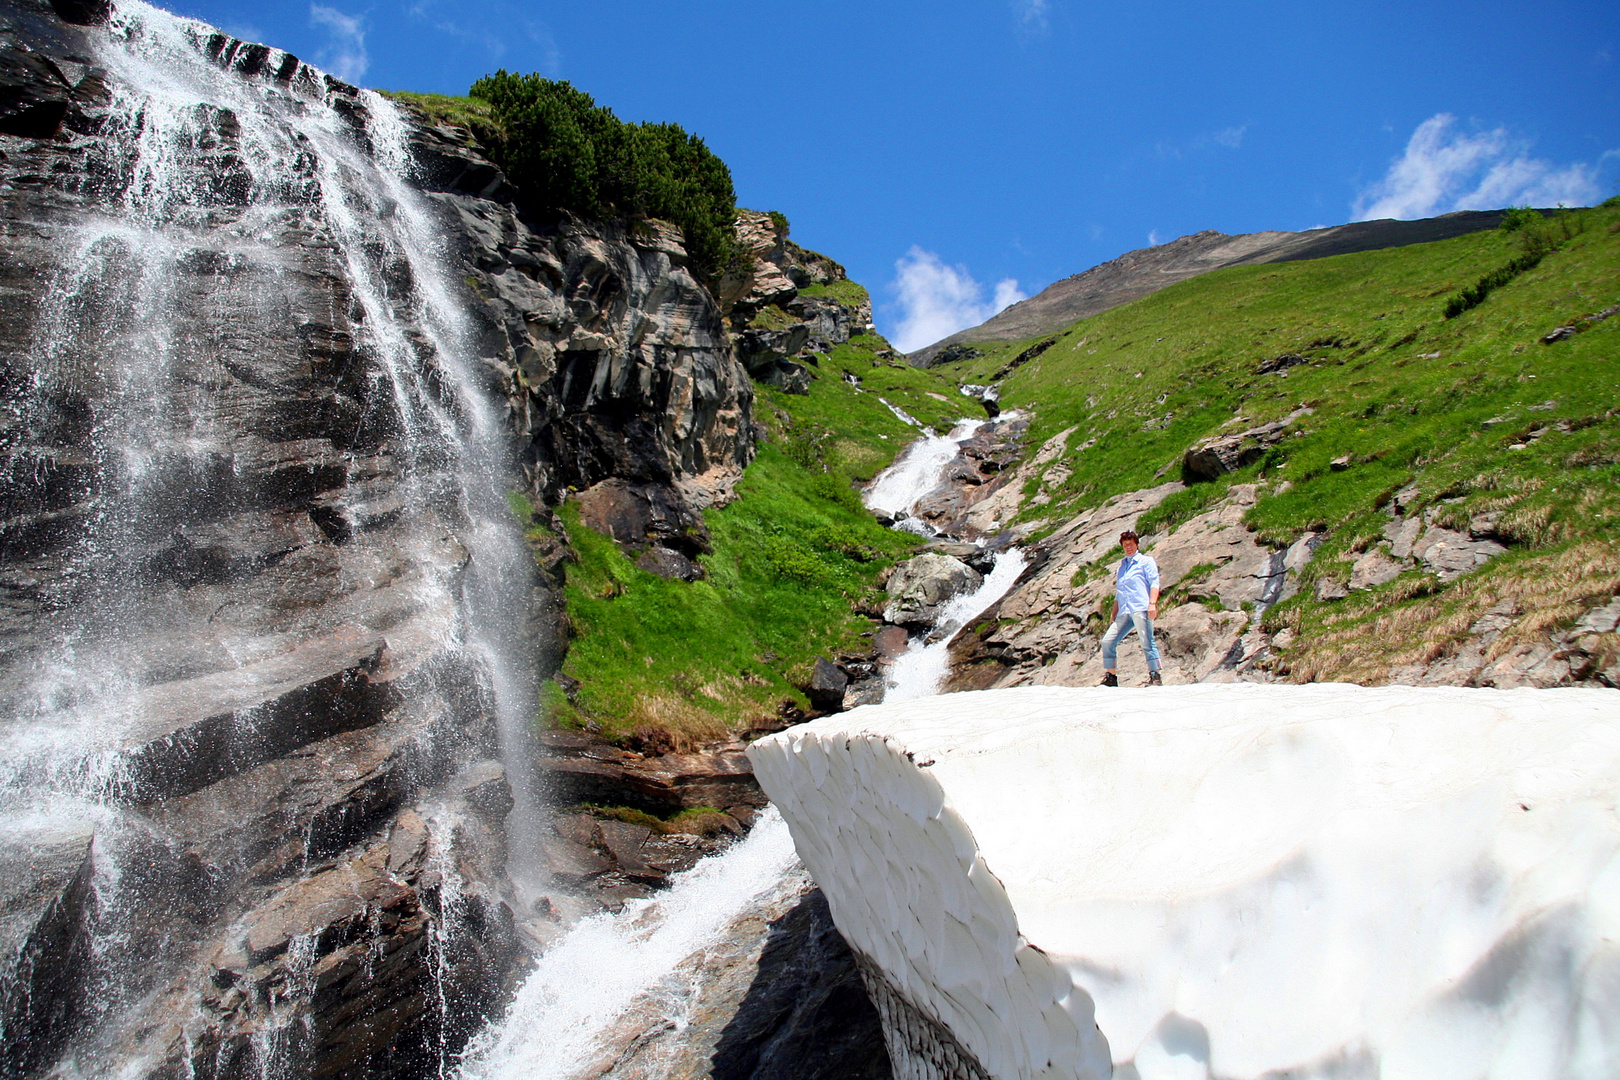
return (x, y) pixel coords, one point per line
(568, 153)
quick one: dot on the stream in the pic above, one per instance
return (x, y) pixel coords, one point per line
(611, 963)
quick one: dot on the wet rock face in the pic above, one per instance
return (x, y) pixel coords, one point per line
(614, 359)
(307, 862)
(781, 999)
(44, 888)
(272, 597)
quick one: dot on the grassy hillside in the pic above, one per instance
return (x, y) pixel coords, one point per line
(793, 556)
(1472, 410)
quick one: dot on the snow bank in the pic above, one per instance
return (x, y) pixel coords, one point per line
(1229, 881)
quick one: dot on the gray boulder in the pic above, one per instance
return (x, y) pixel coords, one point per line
(1219, 454)
(920, 588)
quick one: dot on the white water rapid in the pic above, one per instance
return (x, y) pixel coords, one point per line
(917, 471)
(566, 1009)
(921, 670)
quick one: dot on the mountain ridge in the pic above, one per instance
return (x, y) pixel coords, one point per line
(1145, 271)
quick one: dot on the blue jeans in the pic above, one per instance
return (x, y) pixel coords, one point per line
(1123, 624)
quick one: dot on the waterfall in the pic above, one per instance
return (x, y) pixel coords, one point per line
(917, 471)
(566, 1008)
(291, 195)
(921, 671)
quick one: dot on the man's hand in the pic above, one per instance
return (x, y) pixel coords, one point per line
(1153, 611)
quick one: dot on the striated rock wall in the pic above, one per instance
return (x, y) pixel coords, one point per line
(615, 362)
(777, 298)
(241, 528)
(1239, 881)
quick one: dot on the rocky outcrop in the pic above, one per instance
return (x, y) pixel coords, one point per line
(615, 361)
(584, 768)
(1218, 579)
(1210, 458)
(982, 468)
(786, 304)
(920, 587)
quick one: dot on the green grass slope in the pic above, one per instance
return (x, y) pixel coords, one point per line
(794, 555)
(1472, 410)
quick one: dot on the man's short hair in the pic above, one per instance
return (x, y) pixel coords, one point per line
(1129, 534)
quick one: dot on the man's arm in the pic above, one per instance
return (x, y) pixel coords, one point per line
(1153, 602)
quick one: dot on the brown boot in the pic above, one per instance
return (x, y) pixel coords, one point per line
(1154, 680)
(1109, 679)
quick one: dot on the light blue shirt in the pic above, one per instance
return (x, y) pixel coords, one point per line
(1137, 574)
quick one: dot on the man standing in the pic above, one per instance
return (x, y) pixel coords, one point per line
(1136, 605)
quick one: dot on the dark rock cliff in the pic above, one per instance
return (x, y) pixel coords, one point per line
(615, 360)
(299, 853)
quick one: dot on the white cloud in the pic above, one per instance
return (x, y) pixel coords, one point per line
(1032, 13)
(937, 300)
(1444, 170)
(1232, 136)
(497, 28)
(1154, 239)
(345, 55)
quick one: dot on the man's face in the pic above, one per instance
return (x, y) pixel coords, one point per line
(1129, 545)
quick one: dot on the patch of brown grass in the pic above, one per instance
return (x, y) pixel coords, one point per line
(1548, 592)
(674, 722)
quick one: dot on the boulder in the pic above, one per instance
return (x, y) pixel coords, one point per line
(920, 587)
(1329, 588)
(827, 685)
(1220, 454)
(1374, 568)
(1450, 554)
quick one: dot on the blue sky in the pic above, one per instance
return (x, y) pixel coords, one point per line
(956, 155)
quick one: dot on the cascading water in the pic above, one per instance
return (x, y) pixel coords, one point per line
(565, 1009)
(921, 670)
(895, 490)
(241, 201)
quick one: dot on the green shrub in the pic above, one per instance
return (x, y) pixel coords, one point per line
(1475, 294)
(780, 220)
(1515, 218)
(565, 152)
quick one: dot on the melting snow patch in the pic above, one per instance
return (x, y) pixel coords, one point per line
(1230, 881)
